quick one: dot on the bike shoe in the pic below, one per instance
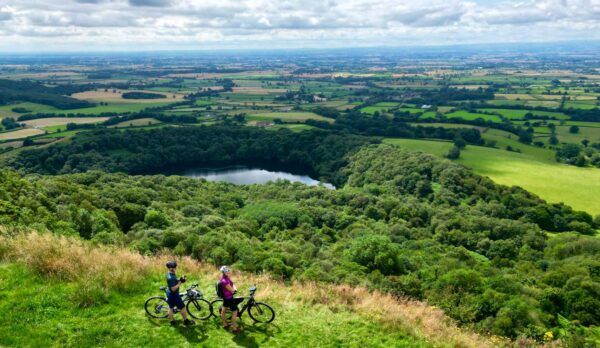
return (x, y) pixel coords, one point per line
(173, 322)
(189, 322)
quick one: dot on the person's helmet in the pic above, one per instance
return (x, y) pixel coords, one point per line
(171, 264)
(225, 269)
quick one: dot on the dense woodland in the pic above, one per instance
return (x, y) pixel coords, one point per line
(318, 153)
(12, 91)
(407, 223)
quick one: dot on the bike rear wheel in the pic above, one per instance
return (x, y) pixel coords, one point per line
(215, 307)
(157, 307)
(261, 312)
(199, 309)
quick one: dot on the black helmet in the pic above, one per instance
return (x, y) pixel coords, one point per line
(171, 264)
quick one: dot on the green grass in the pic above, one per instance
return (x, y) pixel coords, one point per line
(552, 181)
(428, 114)
(411, 110)
(590, 133)
(581, 104)
(6, 110)
(520, 113)
(60, 134)
(287, 116)
(446, 125)
(465, 115)
(111, 107)
(379, 107)
(293, 127)
(504, 139)
(45, 313)
(58, 127)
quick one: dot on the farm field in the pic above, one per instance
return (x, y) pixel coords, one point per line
(111, 108)
(5, 110)
(116, 96)
(543, 178)
(520, 114)
(287, 117)
(59, 121)
(465, 115)
(379, 107)
(20, 133)
(140, 122)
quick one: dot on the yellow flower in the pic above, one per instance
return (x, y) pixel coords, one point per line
(548, 336)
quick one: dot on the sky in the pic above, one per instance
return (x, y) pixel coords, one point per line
(130, 25)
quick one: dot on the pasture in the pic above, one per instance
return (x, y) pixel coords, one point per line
(287, 117)
(116, 96)
(379, 107)
(140, 122)
(470, 116)
(20, 134)
(59, 121)
(549, 180)
(516, 114)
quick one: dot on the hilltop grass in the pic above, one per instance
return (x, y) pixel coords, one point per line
(542, 177)
(66, 292)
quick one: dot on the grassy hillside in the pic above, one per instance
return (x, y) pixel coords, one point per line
(69, 293)
(542, 177)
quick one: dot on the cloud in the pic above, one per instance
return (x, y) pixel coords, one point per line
(43, 24)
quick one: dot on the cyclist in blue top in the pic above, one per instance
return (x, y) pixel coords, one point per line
(173, 297)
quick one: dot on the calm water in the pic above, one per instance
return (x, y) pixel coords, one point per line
(245, 176)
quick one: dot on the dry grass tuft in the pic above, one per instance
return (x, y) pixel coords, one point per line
(100, 270)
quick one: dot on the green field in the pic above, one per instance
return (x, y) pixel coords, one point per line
(287, 117)
(6, 110)
(379, 107)
(140, 122)
(554, 182)
(111, 107)
(515, 114)
(465, 115)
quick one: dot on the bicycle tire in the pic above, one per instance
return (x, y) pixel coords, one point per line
(218, 302)
(157, 307)
(263, 313)
(196, 306)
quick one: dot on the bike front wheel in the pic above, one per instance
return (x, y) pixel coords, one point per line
(215, 307)
(261, 312)
(157, 307)
(199, 309)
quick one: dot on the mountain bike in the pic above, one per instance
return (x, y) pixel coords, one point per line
(197, 306)
(258, 311)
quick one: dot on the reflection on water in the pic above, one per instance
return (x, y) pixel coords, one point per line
(245, 176)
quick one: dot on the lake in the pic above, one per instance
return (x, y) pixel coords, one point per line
(240, 175)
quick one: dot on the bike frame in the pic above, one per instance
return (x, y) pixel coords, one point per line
(184, 297)
(246, 305)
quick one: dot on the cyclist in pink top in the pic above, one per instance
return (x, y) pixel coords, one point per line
(229, 302)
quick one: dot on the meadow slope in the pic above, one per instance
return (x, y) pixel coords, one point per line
(70, 293)
(552, 181)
